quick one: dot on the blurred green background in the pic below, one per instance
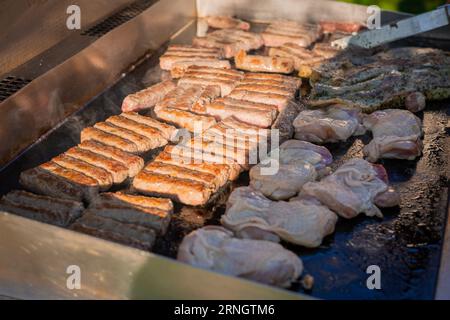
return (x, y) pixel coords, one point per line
(411, 6)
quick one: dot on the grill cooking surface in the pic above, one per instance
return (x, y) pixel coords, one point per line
(405, 245)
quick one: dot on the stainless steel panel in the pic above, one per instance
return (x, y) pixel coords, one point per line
(34, 258)
(50, 98)
(29, 27)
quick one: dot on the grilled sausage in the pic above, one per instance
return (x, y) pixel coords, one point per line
(108, 139)
(148, 97)
(258, 63)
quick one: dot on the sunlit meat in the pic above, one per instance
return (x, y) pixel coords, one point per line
(230, 41)
(352, 189)
(226, 22)
(216, 249)
(148, 97)
(396, 134)
(205, 76)
(53, 210)
(258, 63)
(281, 32)
(251, 215)
(167, 131)
(331, 124)
(334, 26)
(178, 58)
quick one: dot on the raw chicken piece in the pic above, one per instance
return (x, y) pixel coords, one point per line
(332, 124)
(285, 183)
(251, 215)
(292, 151)
(352, 189)
(216, 249)
(396, 134)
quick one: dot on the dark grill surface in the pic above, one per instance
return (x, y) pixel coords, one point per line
(406, 244)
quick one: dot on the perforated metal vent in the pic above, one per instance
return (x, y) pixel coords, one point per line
(10, 85)
(118, 18)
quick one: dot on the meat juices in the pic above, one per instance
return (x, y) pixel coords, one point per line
(257, 63)
(390, 139)
(148, 97)
(216, 249)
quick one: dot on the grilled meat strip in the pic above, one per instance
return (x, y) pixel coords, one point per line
(226, 22)
(258, 63)
(149, 132)
(257, 114)
(57, 211)
(154, 213)
(148, 97)
(347, 27)
(108, 229)
(182, 190)
(167, 131)
(118, 171)
(109, 139)
(281, 32)
(133, 163)
(220, 173)
(230, 41)
(188, 54)
(184, 173)
(103, 177)
(185, 119)
(48, 177)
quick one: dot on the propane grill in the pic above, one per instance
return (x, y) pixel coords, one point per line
(408, 245)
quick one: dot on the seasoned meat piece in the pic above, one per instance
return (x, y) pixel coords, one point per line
(258, 63)
(351, 189)
(218, 171)
(332, 124)
(188, 155)
(257, 114)
(143, 143)
(46, 209)
(230, 41)
(205, 80)
(109, 139)
(304, 223)
(333, 26)
(281, 101)
(132, 162)
(182, 190)
(281, 32)
(108, 229)
(185, 119)
(167, 131)
(285, 183)
(88, 185)
(225, 22)
(43, 182)
(292, 82)
(179, 68)
(185, 53)
(148, 97)
(151, 133)
(154, 213)
(180, 172)
(103, 177)
(118, 171)
(396, 134)
(216, 249)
